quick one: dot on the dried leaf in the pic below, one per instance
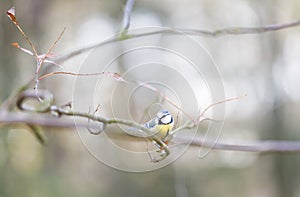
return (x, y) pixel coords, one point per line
(15, 44)
(38, 133)
(11, 14)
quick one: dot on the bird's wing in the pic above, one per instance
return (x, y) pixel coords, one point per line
(139, 133)
(151, 124)
(135, 132)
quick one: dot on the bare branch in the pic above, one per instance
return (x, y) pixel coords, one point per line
(170, 101)
(192, 32)
(11, 14)
(240, 30)
(118, 77)
(49, 51)
(68, 73)
(41, 120)
(126, 15)
(259, 147)
(85, 49)
(269, 146)
(201, 116)
(8, 103)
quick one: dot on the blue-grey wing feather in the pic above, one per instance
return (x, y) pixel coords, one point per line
(151, 124)
(137, 132)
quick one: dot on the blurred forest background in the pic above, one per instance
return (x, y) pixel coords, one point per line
(264, 66)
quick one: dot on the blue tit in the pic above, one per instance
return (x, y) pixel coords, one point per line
(161, 125)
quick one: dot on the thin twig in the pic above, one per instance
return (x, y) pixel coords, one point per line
(119, 78)
(187, 125)
(192, 32)
(201, 116)
(49, 107)
(170, 101)
(40, 59)
(10, 101)
(41, 120)
(68, 73)
(11, 14)
(102, 128)
(40, 62)
(49, 50)
(107, 121)
(126, 15)
(268, 146)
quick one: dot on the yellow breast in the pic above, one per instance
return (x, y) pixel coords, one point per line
(163, 130)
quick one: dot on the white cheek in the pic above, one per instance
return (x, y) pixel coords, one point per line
(167, 119)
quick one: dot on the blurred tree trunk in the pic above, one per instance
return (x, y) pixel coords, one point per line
(8, 67)
(31, 21)
(10, 71)
(284, 171)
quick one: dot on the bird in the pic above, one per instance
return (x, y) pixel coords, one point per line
(161, 125)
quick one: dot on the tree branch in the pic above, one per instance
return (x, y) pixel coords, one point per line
(41, 120)
(126, 16)
(46, 120)
(192, 32)
(269, 146)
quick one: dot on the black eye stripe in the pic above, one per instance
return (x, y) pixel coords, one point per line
(160, 122)
(163, 116)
